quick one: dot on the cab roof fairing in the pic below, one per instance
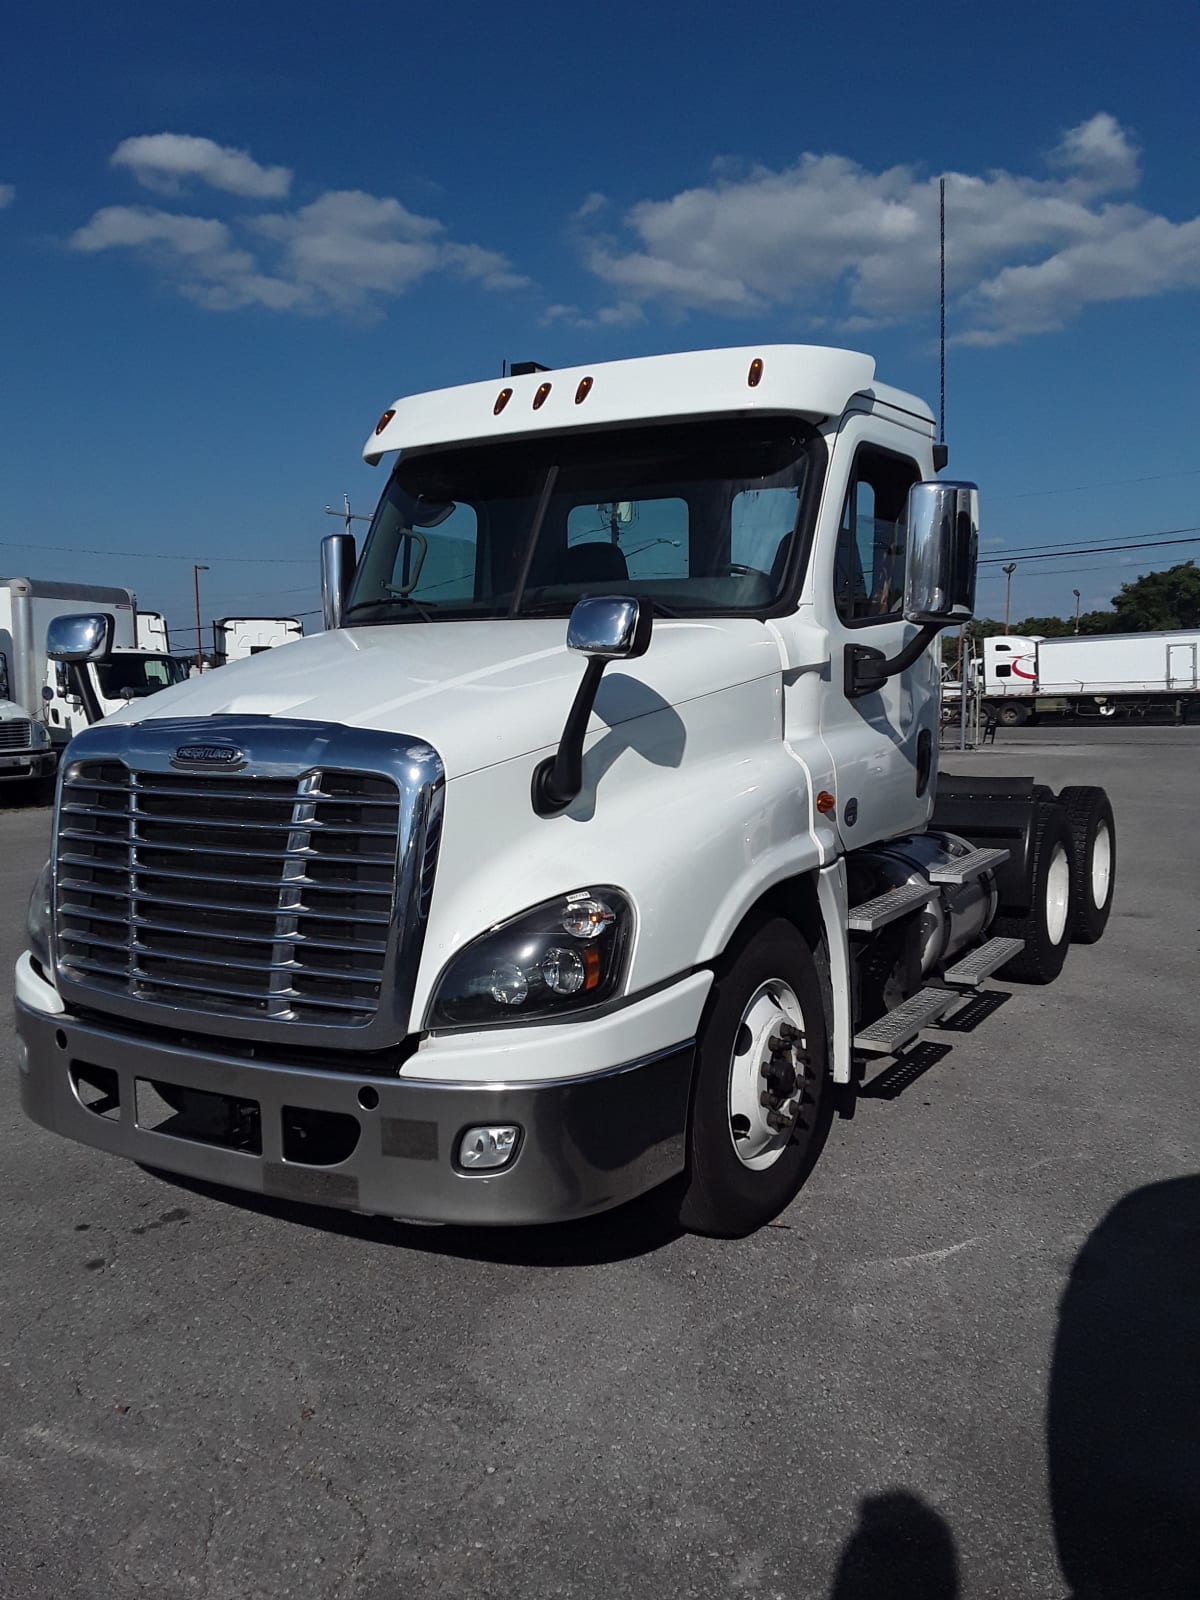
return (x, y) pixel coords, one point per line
(812, 381)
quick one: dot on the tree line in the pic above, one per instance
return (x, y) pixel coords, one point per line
(1157, 602)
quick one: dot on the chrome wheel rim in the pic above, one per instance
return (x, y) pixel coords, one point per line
(1101, 866)
(767, 1072)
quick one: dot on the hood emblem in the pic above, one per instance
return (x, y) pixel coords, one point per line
(207, 755)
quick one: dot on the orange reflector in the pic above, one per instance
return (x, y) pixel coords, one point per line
(584, 389)
(384, 420)
(826, 802)
(754, 376)
(539, 399)
(591, 966)
(502, 400)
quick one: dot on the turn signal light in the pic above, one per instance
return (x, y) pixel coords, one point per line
(584, 389)
(826, 803)
(384, 420)
(502, 400)
(539, 399)
(754, 376)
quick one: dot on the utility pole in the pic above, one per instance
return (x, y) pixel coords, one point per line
(1075, 592)
(1008, 572)
(196, 571)
(348, 517)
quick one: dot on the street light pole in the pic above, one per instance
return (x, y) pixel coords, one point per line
(1008, 572)
(1075, 592)
(196, 571)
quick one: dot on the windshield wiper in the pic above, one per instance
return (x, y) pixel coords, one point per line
(426, 610)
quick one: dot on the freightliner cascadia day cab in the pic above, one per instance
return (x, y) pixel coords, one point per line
(597, 842)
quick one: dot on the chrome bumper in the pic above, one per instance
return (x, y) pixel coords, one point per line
(587, 1143)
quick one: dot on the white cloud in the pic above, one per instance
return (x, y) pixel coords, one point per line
(343, 252)
(163, 161)
(7, 195)
(833, 238)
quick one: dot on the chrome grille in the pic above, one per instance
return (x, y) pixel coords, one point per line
(17, 734)
(264, 897)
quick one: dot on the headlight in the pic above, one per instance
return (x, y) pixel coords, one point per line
(562, 957)
(37, 920)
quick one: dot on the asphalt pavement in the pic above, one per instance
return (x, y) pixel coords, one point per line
(961, 1365)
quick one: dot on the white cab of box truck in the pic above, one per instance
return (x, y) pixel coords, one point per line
(152, 632)
(1097, 675)
(596, 845)
(235, 638)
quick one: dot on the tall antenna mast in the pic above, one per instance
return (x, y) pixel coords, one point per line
(942, 309)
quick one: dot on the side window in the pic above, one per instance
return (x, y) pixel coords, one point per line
(869, 564)
(651, 535)
(1004, 672)
(761, 523)
(447, 570)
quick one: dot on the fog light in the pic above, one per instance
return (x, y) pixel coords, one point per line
(481, 1149)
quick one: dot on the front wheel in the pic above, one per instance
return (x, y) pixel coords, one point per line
(762, 1102)
(1012, 714)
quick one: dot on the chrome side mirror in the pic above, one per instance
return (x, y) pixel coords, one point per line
(80, 638)
(610, 628)
(605, 628)
(338, 561)
(943, 547)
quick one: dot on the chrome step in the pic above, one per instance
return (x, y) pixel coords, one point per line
(981, 963)
(962, 869)
(894, 1029)
(872, 915)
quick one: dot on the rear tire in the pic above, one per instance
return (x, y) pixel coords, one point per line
(1094, 837)
(1046, 926)
(743, 1169)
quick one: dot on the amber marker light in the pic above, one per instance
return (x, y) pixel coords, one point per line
(826, 802)
(502, 400)
(384, 420)
(754, 376)
(539, 399)
(584, 389)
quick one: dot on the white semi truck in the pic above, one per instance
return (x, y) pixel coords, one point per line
(1090, 675)
(431, 917)
(235, 638)
(152, 632)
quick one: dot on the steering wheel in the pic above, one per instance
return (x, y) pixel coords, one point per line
(735, 569)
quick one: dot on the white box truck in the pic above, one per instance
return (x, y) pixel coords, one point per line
(1090, 675)
(597, 842)
(39, 686)
(235, 638)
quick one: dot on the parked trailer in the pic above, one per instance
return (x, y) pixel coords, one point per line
(415, 918)
(235, 638)
(1096, 675)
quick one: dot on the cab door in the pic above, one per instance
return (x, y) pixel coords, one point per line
(881, 744)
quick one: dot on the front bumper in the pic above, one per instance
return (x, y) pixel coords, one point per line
(587, 1143)
(26, 764)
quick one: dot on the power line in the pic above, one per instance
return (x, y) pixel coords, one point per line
(1082, 488)
(1152, 542)
(156, 555)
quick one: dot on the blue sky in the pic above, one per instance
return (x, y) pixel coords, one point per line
(230, 235)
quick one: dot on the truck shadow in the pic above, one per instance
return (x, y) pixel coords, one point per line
(638, 1228)
(1123, 1422)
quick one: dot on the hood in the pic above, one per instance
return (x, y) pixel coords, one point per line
(10, 709)
(479, 692)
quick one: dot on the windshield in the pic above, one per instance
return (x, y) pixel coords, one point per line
(130, 677)
(701, 519)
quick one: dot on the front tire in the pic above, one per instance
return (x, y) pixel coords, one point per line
(762, 1102)
(1094, 837)
(1012, 714)
(1046, 926)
